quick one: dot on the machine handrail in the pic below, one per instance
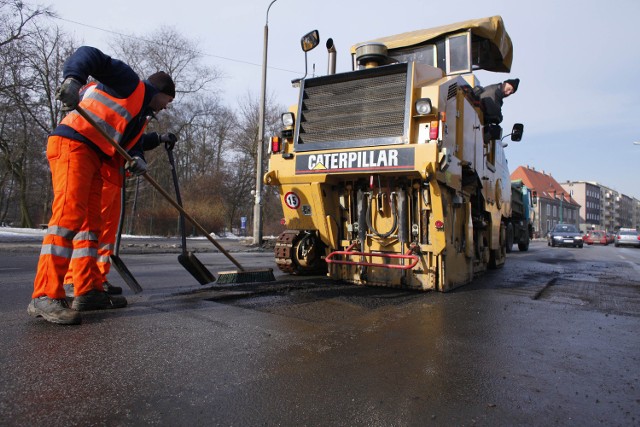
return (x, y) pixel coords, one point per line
(349, 252)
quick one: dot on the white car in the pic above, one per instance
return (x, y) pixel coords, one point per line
(628, 237)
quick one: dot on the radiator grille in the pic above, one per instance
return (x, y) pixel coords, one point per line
(360, 106)
(451, 93)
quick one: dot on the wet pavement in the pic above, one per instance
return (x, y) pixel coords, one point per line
(550, 339)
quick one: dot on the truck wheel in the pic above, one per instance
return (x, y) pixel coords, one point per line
(524, 246)
(509, 241)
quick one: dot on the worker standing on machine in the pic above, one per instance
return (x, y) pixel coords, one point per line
(122, 104)
(491, 99)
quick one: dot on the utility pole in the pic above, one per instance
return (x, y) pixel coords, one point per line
(257, 207)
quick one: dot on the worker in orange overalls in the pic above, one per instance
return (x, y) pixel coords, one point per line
(112, 172)
(122, 105)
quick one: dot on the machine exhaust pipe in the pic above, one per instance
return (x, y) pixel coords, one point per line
(331, 48)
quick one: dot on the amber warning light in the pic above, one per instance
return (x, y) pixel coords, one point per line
(275, 144)
(433, 130)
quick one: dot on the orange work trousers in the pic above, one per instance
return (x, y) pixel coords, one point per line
(72, 234)
(112, 176)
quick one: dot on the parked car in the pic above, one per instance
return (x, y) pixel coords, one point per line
(627, 237)
(565, 235)
(596, 237)
(611, 237)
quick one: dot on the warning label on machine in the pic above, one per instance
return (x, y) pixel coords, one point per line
(356, 161)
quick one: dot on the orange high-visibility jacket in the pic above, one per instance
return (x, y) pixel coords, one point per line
(111, 113)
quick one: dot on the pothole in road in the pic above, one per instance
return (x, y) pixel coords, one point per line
(607, 297)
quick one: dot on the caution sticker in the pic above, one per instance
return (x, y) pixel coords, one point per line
(292, 200)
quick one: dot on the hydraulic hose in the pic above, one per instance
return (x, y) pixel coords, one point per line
(393, 212)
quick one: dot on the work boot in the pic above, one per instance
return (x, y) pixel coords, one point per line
(110, 289)
(53, 310)
(97, 300)
(68, 289)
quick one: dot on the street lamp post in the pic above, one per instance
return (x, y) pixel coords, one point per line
(257, 207)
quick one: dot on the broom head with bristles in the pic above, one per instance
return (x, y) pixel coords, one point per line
(245, 276)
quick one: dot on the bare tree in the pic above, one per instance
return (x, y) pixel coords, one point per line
(206, 135)
(196, 116)
(16, 16)
(246, 144)
(30, 70)
(167, 50)
(217, 150)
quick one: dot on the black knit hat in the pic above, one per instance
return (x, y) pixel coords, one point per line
(163, 82)
(514, 83)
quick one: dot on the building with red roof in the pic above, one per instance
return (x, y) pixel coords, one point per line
(552, 203)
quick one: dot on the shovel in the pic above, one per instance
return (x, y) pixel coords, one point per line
(187, 259)
(117, 263)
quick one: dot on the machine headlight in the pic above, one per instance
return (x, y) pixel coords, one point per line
(423, 106)
(287, 119)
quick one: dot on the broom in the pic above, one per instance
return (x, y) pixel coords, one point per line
(241, 275)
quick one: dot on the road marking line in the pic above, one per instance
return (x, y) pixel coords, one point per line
(634, 265)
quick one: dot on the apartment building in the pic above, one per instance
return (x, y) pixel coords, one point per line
(603, 207)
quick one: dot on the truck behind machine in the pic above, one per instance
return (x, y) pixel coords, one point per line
(520, 224)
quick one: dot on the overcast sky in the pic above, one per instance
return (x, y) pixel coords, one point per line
(577, 61)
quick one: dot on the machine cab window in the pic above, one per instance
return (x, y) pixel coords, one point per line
(451, 54)
(458, 53)
(423, 54)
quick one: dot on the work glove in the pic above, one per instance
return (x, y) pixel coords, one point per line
(69, 93)
(169, 140)
(137, 166)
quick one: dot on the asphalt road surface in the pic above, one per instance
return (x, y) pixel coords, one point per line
(550, 339)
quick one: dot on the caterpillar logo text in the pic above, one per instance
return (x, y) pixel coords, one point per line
(356, 161)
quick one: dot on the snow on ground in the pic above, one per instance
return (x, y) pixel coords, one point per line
(30, 233)
(21, 232)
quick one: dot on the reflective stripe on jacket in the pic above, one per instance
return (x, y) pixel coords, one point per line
(111, 113)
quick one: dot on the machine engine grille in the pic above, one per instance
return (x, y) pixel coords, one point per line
(365, 104)
(453, 90)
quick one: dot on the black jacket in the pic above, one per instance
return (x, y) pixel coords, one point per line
(491, 102)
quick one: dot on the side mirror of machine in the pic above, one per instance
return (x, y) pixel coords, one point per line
(516, 134)
(517, 131)
(310, 40)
